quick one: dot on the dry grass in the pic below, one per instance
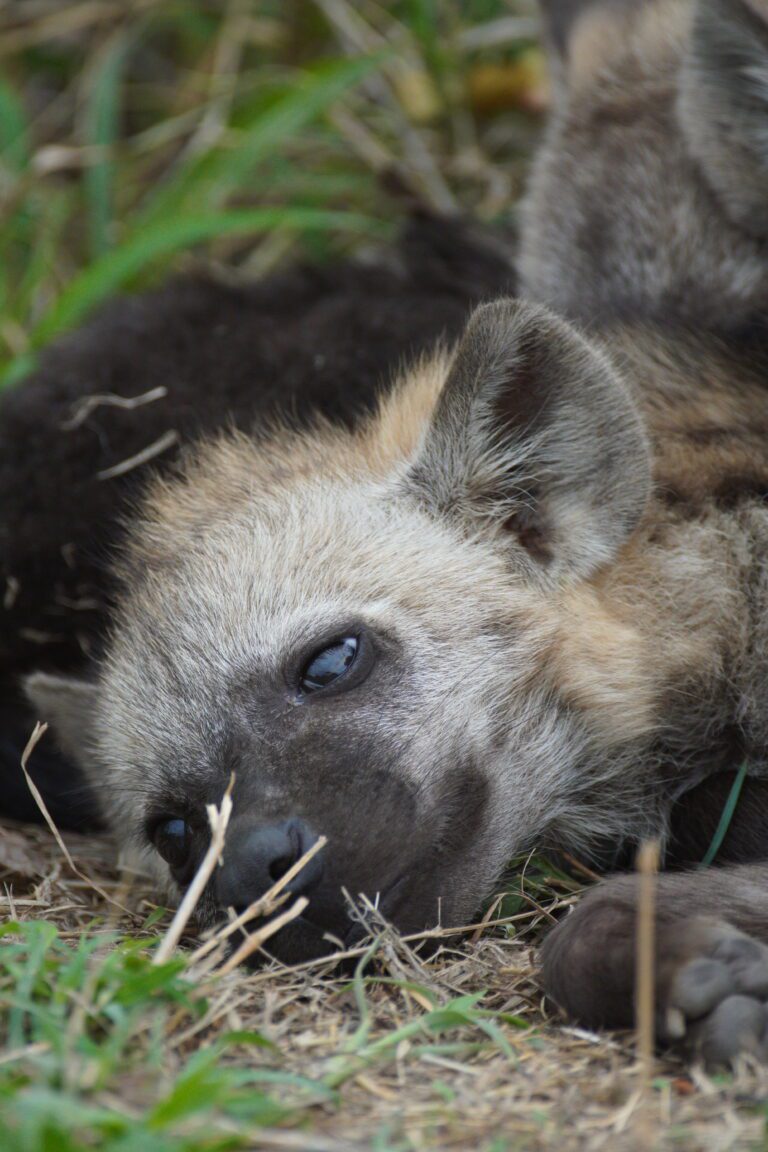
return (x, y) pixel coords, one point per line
(367, 1062)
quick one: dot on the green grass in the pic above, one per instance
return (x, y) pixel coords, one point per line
(102, 1047)
(82, 1021)
(91, 1054)
(178, 134)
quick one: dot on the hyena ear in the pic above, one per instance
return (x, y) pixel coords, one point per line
(68, 704)
(535, 435)
(723, 105)
(581, 37)
(562, 20)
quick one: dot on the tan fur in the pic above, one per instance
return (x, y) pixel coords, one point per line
(395, 435)
(601, 664)
(646, 38)
(225, 476)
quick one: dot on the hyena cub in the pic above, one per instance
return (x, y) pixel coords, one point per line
(523, 605)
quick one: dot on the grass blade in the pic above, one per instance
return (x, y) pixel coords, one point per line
(14, 137)
(118, 268)
(101, 126)
(261, 127)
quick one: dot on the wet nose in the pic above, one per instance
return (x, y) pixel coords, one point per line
(256, 857)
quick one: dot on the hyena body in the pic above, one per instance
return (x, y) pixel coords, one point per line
(525, 604)
(649, 200)
(648, 195)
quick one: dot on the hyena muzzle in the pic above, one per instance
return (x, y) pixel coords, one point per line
(523, 605)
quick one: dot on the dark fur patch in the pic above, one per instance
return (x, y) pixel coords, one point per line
(740, 486)
(696, 816)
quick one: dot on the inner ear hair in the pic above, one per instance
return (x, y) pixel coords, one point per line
(67, 703)
(535, 435)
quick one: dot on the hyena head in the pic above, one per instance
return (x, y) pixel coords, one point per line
(375, 631)
(650, 193)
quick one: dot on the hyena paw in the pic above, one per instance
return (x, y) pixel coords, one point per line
(711, 979)
(713, 997)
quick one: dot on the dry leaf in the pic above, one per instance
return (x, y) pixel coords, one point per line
(521, 84)
(15, 855)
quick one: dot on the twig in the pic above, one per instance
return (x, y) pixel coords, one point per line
(295, 868)
(88, 404)
(12, 587)
(167, 440)
(218, 819)
(579, 867)
(256, 939)
(334, 958)
(252, 912)
(37, 735)
(261, 907)
(15, 1054)
(497, 33)
(357, 36)
(647, 867)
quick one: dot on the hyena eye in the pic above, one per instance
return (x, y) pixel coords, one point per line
(329, 665)
(173, 841)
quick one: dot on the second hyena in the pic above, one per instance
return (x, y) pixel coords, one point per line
(524, 604)
(648, 195)
(649, 201)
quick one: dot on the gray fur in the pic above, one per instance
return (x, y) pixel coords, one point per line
(458, 752)
(68, 705)
(723, 106)
(658, 139)
(542, 680)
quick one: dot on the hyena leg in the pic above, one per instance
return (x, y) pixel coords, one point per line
(711, 959)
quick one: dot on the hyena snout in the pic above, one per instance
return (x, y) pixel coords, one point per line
(255, 857)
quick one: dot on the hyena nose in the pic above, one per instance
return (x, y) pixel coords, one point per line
(255, 858)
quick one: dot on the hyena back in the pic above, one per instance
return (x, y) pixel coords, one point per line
(648, 195)
(649, 199)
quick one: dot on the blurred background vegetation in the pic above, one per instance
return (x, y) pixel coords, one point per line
(139, 137)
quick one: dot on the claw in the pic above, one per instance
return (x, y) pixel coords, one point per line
(674, 1024)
